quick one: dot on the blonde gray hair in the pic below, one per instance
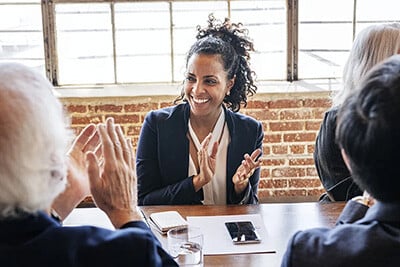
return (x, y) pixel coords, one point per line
(371, 46)
(33, 142)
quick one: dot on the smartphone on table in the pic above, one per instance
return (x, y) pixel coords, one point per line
(243, 232)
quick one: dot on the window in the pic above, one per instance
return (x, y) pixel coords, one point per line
(327, 29)
(89, 42)
(21, 34)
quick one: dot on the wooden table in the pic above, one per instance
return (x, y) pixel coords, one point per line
(281, 221)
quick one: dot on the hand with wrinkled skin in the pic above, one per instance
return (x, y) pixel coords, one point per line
(207, 163)
(246, 170)
(114, 185)
(77, 187)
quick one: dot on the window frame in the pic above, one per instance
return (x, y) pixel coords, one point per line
(49, 33)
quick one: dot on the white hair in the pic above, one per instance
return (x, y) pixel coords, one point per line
(371, 46)
(33, 142)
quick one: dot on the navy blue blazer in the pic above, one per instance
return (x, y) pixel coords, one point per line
(42, 241)
(362, 237)
(332, 171)
(162, 158)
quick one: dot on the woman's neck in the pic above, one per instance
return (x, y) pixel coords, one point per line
(203, 125)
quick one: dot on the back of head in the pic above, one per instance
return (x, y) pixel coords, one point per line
(371, 46)
(368, 130)
(33, 142)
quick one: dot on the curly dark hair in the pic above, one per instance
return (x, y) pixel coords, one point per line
(231, 42)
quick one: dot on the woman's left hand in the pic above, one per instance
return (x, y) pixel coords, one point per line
(246, 170)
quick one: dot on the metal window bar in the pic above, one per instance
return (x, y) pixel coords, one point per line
(49, 38)
(292, 40)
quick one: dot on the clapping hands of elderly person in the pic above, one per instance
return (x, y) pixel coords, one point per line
(77, 178)
(113, 185)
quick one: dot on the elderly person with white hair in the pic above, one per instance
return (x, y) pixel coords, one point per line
(39, 175)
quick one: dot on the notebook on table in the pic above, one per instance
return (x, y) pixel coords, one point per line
(165, 220)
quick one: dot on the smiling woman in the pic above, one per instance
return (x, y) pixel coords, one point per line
(203, 150)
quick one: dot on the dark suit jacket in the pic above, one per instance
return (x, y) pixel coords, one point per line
(332, 170)
(363, 237)
(41, 241)
(162, 158)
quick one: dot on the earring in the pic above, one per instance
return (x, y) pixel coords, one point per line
(228, 93)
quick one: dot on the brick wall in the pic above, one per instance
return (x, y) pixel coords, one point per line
(290, 120)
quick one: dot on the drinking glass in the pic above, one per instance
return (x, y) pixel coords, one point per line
(185, 245)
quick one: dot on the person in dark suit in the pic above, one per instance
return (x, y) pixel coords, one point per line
(368, 134)
(372, 45)
(41, 182)
(202, 151)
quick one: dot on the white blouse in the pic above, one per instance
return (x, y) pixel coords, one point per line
(215, 190)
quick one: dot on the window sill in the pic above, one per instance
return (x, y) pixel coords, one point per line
(174, 89)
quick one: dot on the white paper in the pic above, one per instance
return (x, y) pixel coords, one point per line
(217, 240)
(88, 216)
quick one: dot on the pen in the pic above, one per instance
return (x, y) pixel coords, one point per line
(144, 216)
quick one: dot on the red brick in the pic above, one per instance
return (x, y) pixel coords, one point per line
(310, 149)
(315, 192)
(313, 125)
(312, 171)
(123, 118)
(133, 130)
(285, 103)
(266, 149)
(273, 162)
(264, 193)
(273, 183)
(166, 104)
(265, 115)
(135, 140)
(288, 172)
(298, 114)
(318, 103)
(264, 125)
(291, 192)
(265, 172)
(86, 120)
(76, 108)
(301, 162)
(272, 138)
(257, 104)
(286, 126)
(299, 137)
(282, 149)
(318, 114)
(304, 183)
(140, 107)
(297, 149)
(105, 108)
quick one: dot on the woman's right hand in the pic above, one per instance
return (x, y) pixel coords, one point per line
(207, 163)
